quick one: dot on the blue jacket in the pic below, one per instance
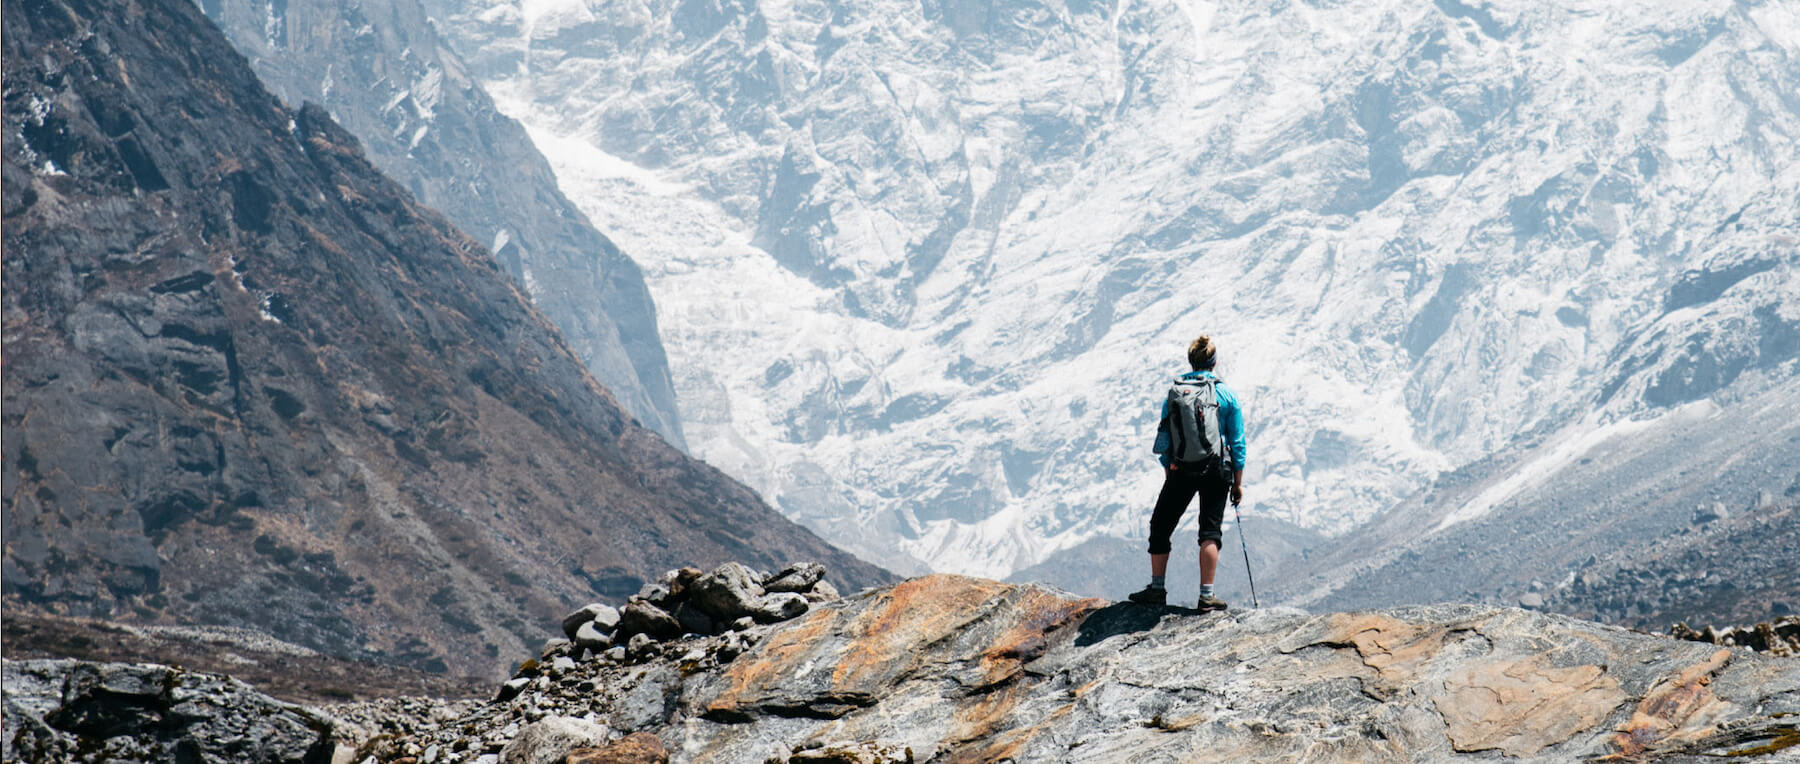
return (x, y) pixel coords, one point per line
(1231, 423)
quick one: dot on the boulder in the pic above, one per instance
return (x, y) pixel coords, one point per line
(550, 740)
(1532, 601)
(607, 618)
(798, 577)
(693, 620)
(593, 611)
(780, 607)
(553, 646)
(677, 582)
(653, 593)
(636, 748)
(512, 688)
(822, 591)
(589, 637)
(728, 593)
(645, 618)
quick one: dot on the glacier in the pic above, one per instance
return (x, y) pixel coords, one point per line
(924, 269)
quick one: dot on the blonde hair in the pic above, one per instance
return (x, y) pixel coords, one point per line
(1202, 353)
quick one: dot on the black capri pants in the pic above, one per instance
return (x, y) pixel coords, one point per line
(1179, 488)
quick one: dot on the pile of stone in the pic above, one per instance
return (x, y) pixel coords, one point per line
(1778, 637)
(70, 710)
(592, 697)
(729, 600)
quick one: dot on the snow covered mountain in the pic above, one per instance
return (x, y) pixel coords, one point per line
(923, 269)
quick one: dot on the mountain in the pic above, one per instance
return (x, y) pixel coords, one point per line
(947, 668)
(1700, 408)
(251, 382)
(956, 250)
(380, 70)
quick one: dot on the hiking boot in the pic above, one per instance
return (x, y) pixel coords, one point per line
(1151, 595)
(1209, 603)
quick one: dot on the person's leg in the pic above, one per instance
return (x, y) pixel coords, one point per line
(1214, 494)
(1171, 503)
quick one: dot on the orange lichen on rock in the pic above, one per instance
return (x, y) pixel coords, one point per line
(905, 621)
(754, 674)
(1524, 706)
(983, 727)
(1044, 613)
(1679, 709)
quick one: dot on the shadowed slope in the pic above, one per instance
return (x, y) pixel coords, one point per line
(249, 381)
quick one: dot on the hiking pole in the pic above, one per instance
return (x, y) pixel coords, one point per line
(1240, 524)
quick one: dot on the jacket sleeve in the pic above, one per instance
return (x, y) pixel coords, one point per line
(1231, 425)
(1161, 447)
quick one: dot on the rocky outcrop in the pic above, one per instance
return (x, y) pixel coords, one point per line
(65, 710)
(946, 668)
(250, 381)
(379, 68)
(1778, 637)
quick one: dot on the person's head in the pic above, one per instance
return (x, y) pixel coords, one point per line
(1202, 353)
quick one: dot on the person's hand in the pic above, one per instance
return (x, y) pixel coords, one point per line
(1171, 466)
(1237, 494)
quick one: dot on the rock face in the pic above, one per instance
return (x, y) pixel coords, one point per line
(379, 68)
(946, 668)
(64, 710)
(250, 381)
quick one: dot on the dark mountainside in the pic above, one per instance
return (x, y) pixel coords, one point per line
(1727, 569)
(953, 669)
(249, 381)
(379, 68)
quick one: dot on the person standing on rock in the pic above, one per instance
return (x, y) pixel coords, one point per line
(1200, 442)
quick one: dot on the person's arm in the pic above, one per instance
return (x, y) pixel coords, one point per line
(1161, 446)
(1231, 425)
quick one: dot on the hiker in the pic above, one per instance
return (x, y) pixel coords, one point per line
(1200, 442)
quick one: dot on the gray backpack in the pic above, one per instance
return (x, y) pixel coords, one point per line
(1194, 438)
